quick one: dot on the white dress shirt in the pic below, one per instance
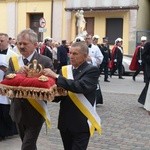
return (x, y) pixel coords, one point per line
(96, 55)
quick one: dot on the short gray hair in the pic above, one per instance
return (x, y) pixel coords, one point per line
(32, 35)
(4, 34)
(83, 47)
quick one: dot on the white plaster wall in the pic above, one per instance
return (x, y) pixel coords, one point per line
(99, 3)
(67, 34)
(11, 19)
(132, 30)
(61, 22)
(115, 3)
(57, 20)
(143, 15)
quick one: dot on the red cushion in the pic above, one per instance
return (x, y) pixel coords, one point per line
(14, 81)
(34, 82)
(21, 80)
(24, 87)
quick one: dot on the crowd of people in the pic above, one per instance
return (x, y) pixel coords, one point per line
(107, 59)
(7, 126)
(76, 67)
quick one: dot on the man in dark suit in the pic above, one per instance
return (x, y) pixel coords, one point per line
(117, 57)
(80, 80)
(28, 119)
(104, 47)
(138, 60)
(62, 55)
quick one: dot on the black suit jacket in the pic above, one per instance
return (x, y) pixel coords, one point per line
(21, 110)
(48, 53)
(85, 82)
(62, 54)
(146, 59)
(106, 52)
(118, 55)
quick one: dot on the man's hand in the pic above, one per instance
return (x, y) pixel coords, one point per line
(115, 60)
(140, 61)
(49, 72)
(23, 70)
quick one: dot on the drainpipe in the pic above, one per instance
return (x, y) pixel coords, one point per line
(52, 18)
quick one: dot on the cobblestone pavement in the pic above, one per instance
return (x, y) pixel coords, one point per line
(125, 124)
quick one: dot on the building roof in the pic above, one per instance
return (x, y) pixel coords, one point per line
(102, 8)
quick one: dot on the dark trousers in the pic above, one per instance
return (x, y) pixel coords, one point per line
(29, 135)
(104, 66)
(118, 66)
(74, 140)
(143, 94)
(7, 126)
(99, 97)
(55, 63)
(141, 68)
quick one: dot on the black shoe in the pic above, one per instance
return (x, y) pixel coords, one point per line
(106, 81)
(121, 78)
(2, 138)
(133, 78)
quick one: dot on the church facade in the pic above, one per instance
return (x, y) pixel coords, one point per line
(56, 18)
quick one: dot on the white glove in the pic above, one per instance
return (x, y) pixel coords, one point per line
(115, 60)
(140, 61)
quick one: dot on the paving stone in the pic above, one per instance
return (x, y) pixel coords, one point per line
(125, 124)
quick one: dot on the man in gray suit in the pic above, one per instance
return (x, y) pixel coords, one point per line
(28, 119)
(80, 80)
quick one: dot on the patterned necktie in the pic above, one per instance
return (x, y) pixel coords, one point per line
(75, 71)
(25, 61)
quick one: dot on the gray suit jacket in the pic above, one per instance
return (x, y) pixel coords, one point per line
(21, 110)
